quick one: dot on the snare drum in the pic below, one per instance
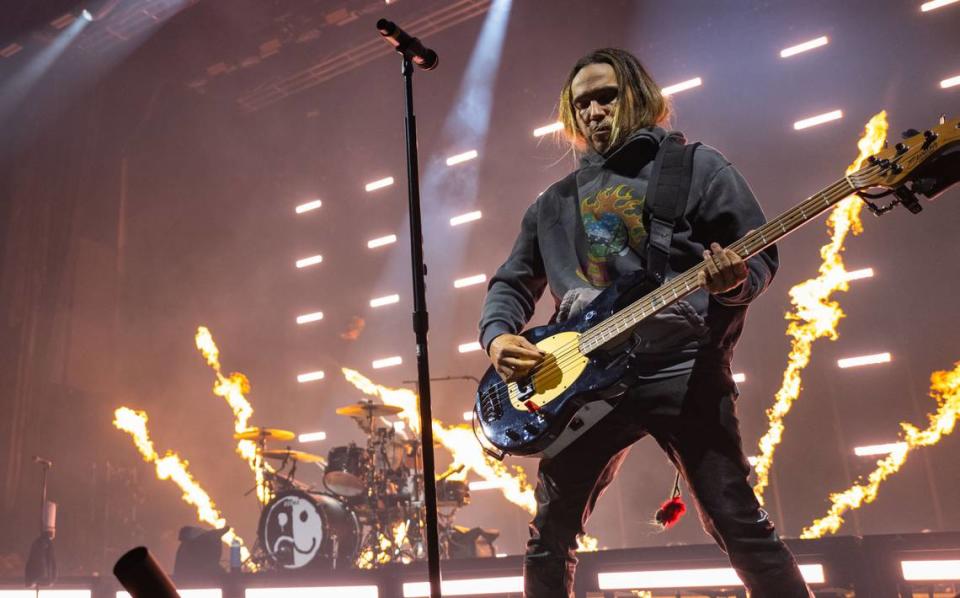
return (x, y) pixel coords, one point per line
(300, 530)
(346, 472)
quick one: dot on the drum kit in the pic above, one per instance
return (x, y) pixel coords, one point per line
(370, 509)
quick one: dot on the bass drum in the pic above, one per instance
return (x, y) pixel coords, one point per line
(298, 530)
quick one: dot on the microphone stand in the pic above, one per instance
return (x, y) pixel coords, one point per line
(420, 327)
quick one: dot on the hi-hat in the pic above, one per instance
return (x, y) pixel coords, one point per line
(368, 409)
(293, 455)
(264, 434)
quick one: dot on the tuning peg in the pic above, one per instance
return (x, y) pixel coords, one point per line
(910, 133)
(943, 118)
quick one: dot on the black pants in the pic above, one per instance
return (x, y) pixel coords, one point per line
(696, 425)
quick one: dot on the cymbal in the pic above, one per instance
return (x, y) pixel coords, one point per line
(368, 409)
(293, 455)
(264, 434)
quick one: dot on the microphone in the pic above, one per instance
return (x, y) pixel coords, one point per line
(410, 47)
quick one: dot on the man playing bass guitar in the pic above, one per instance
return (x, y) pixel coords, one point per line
(580, 236)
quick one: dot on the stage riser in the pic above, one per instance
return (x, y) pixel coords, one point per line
(871, 566)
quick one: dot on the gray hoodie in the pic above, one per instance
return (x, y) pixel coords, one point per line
(699, 331)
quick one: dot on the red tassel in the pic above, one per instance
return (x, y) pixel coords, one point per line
(670, 512)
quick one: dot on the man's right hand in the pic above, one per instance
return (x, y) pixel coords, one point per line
(513, 356)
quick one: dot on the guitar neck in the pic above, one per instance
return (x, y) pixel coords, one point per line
(679, 287)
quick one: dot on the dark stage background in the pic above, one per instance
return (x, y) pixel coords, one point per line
(146, 188)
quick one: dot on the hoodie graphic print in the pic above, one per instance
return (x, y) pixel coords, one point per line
(613, 224)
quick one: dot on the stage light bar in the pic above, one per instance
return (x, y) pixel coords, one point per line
(469, 347)
(467, 587)
(310, 376)
(379, 184)
(317, 592)
(312, 437)
(739, 377)
(62, 21)
(45, 594)
(468, 416)
(486, 485)
(852, 362)
(385, 300)
(381, 241)
(930, 570)
(309, 206)
(805, 46)
(312, 317)
(10, 50)
(87, 15)
(878, 449)
(547, 129)
(387, 362)
(682, 86)
(464, 218)
(208, 593)
(934, 4)
(858, 274)
(688, 578)
(464, 157)
(819, 119)
(469, 280)
(950, 82)
(309, 261)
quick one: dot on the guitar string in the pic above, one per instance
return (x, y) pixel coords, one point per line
(562, 358)
(569, 352)
(687, 279)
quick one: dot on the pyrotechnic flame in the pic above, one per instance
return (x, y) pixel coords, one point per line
(945, 390)
(816, 315)
(233, 388)
(172, 467)
(463, 447)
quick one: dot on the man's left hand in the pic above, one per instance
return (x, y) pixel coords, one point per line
(725, 270)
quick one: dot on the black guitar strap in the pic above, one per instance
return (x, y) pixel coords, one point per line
(666, 201)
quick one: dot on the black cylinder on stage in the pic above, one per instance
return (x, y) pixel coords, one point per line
(141, 575)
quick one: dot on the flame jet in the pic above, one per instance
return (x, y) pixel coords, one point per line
(172, 467)
(233, 389)
(945, 390)
(815, 314)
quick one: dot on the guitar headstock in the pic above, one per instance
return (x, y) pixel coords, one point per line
(897, 165)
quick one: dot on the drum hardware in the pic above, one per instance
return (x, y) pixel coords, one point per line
(377, 485)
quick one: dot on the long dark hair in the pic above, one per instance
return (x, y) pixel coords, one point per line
(640, 103)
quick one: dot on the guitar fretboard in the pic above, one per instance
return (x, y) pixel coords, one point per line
(686, 283)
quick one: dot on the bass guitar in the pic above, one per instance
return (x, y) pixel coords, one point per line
(587, 362)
